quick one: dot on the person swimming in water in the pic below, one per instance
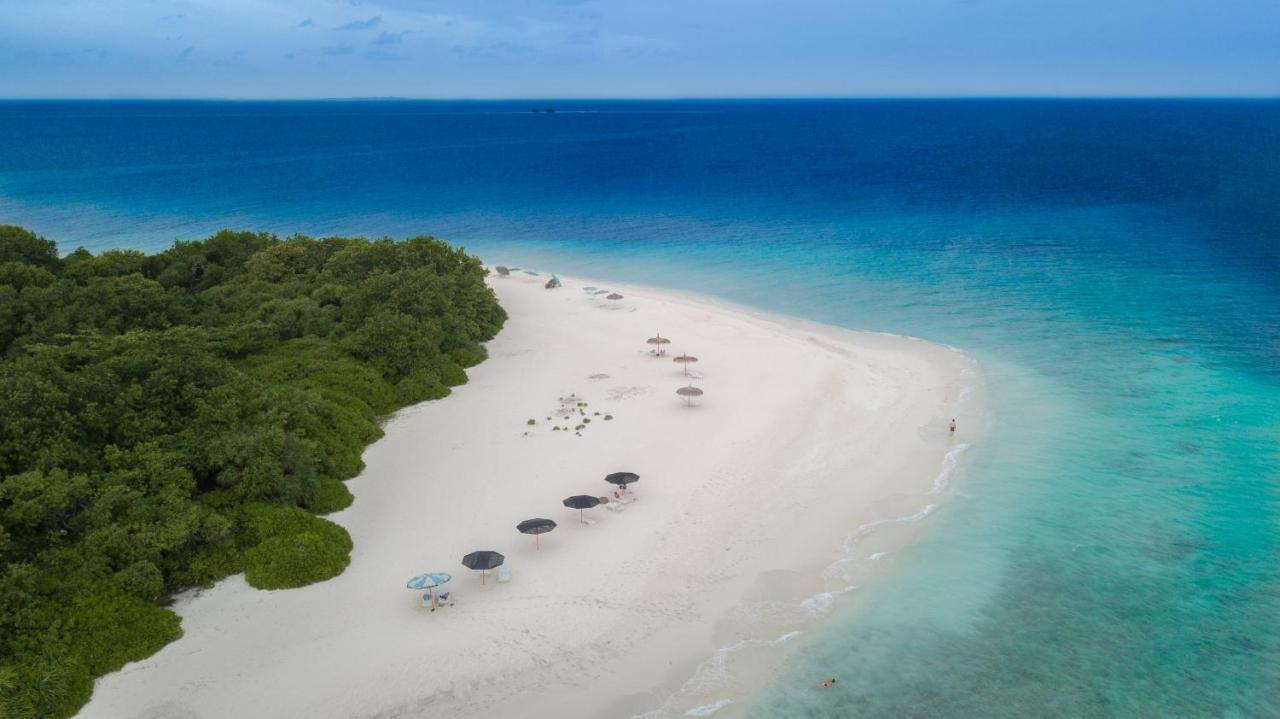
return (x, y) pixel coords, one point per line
(827, 683)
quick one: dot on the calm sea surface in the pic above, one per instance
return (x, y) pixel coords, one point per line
(1111, 548)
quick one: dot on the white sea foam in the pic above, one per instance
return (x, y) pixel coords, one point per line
(820, 604)
(861, 532)
(713, 673)
(707, 710)
(876, 556)
(948, 466)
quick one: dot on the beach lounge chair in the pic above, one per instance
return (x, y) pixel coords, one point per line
(444, 599)
(504, 574)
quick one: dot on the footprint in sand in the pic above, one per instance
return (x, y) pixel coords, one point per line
(627, 392)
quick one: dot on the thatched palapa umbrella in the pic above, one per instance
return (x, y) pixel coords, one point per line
(657, 341)
(536, 527)
(685, 359)
(689, 393)
(613, 296)
(503, 271)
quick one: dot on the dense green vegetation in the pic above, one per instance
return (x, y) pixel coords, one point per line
(168, 420)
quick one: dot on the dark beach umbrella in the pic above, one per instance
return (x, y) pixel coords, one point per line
(689, 393)
(685, 359)
(502, 270)
(581, 502)
(622, 479)
(536, 527)
(484, 560)
(613, 296)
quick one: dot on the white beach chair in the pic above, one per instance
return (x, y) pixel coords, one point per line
(444, 599)
(504, 574)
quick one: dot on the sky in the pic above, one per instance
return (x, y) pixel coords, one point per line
(637, 48)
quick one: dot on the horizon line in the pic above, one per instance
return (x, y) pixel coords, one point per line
(620, 98)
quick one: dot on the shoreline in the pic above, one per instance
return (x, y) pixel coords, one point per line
(638, 638)
(828, 588)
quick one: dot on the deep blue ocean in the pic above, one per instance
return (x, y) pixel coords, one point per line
(1111, 548)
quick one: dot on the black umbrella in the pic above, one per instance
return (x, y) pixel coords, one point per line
(536, 527)
(622, 479)
(483, 560)
(581, 502)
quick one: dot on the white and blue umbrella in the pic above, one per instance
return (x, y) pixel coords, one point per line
(430, 580)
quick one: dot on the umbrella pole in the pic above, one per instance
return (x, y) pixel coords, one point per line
(537, 541)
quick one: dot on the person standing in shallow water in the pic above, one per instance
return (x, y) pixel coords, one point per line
(953, 425)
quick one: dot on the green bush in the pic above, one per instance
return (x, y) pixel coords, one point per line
(468, 356)
(451, 374)
(142, 579)
(291, 547)
(296, 560)
(420, 386)
(169, 420)
(331, 496)
(98, 631)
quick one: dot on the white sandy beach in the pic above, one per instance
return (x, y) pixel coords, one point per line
(805, 434)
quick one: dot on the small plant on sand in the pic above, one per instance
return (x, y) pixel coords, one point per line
(595, 414)
(586, 420)
(531, 422)
(555, 428)
(608, 417)
(579, 428)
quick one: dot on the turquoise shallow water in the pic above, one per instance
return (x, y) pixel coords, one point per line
(1110, 548)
